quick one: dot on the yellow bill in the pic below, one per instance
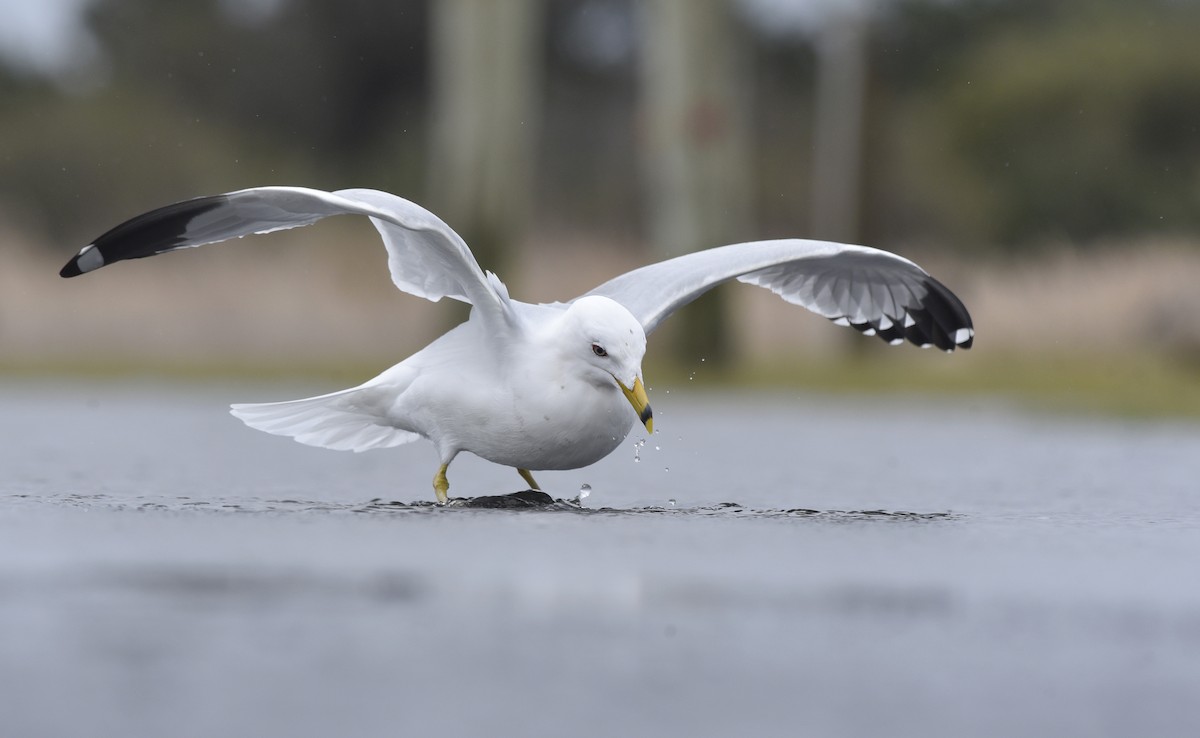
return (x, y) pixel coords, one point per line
(641, 403)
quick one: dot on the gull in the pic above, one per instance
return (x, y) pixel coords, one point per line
(530, 386)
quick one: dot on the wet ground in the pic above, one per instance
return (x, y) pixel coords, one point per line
(764, 565)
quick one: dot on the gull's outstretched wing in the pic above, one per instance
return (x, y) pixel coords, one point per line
(425, 256)
(873, 291)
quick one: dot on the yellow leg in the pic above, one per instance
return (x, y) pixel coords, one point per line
(529, 478)
(441, 485)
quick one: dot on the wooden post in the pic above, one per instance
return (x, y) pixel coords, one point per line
(838, 139)
(695, 112)
(838, 129)
(485, 118)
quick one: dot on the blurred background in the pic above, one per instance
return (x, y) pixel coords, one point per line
(1041, 157)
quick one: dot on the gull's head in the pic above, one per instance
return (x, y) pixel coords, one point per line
(608, 344)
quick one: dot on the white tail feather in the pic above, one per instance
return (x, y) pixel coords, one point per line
(339, 421)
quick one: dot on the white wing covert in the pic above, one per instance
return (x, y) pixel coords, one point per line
(873, 291)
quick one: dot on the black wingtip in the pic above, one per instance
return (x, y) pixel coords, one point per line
(939, 320)
(948, 316)
(88, 259)
(155, 232)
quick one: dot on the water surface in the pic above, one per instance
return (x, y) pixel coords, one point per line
(768, 565)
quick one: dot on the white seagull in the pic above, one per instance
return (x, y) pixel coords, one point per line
(531, 386)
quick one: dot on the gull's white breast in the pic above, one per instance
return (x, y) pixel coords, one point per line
(523, 410)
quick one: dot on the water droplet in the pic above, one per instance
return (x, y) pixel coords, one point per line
(701, 360)
(585, 489)
(658, 448)
(668, 392)
(671, 502)
(666, 468)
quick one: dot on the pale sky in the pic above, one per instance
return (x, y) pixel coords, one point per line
(42, 34)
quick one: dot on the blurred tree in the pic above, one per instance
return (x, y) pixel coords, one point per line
(332, 81)
(198, 97)
(1083, 126)
(990, 122)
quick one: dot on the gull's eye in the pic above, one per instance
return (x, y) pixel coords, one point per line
(598, 350)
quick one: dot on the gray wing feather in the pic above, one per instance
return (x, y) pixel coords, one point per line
(425, 256)
(873, 291)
